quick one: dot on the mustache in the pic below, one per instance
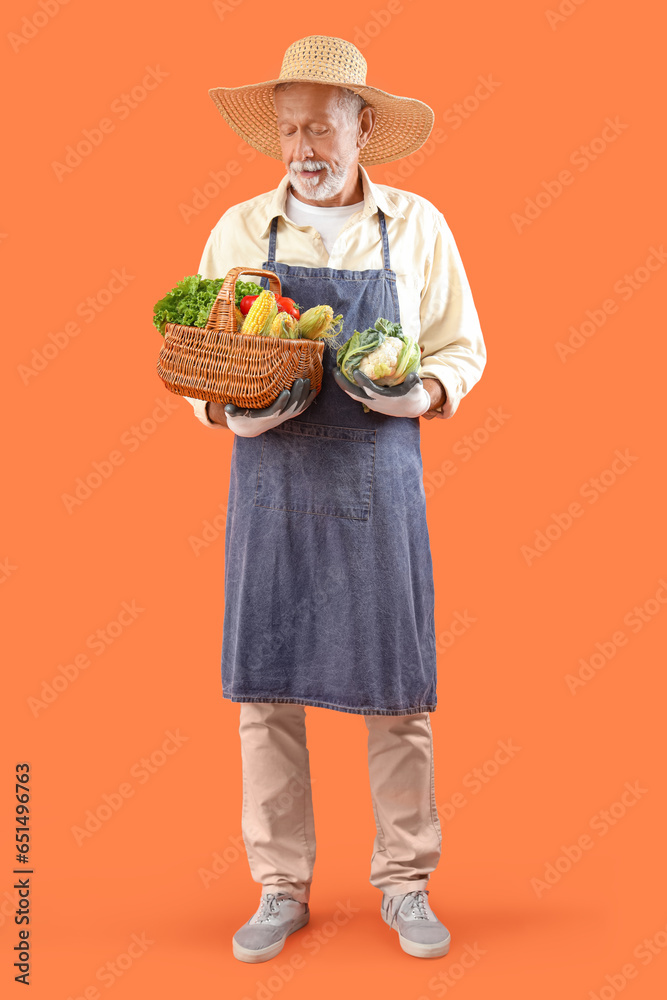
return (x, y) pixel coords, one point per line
(299, 165)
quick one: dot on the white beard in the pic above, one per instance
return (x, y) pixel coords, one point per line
(320, 188)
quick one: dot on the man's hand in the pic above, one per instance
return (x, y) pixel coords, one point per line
(436, 391)
(251, 422)
(409, 399)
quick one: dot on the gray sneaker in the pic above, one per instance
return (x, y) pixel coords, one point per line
(263, 936)
(420, 933)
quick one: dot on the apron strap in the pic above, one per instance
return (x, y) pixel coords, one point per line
(385, 240)
(272, 240)
(271, 258)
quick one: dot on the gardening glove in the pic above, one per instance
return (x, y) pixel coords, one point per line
(409, 399)
(251, 422)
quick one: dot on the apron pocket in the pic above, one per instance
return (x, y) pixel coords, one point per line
(317, 469)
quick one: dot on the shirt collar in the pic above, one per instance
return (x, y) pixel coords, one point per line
(374, 198)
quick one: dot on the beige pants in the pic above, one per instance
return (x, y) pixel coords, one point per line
(277, 820)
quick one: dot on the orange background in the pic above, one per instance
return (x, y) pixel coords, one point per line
(67, 574)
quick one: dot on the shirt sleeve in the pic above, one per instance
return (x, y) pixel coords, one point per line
(207, 266)
(207, 269)
(199, 406)
(454, 350)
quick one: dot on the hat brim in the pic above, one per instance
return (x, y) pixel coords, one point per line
(402, 124)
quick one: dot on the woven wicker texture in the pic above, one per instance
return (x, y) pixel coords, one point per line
(217, 364)
(402, 124)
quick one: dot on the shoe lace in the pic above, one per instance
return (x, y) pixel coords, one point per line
(268, 906)
(418, 906)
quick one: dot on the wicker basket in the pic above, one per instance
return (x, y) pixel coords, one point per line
(218, 364)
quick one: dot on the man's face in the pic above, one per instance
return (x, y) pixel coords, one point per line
(318, 139)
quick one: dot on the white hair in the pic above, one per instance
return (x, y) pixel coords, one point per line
(347, 101)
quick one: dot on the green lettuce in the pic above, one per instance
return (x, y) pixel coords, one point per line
(191, 300)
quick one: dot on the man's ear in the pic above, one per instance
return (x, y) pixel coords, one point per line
(366, 124)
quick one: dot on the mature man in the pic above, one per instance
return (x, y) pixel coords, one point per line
(329, 596)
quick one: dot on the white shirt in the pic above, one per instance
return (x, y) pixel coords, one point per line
(434, 295)
(327, 221)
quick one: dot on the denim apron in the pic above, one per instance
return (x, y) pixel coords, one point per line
(329, 596)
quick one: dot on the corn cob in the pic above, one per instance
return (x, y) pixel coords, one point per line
(239, 318)
(319, 322)
(284, 326)
(276, 326)
(261, 315)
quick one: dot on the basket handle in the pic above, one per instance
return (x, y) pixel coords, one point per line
(222, 316)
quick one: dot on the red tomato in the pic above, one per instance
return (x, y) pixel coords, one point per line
(246, 303)
(284, 302)
(289, 306)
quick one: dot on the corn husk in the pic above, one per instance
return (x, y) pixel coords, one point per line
(319, 323)
(284, 326)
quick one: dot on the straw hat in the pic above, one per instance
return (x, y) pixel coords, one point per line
(402, 124)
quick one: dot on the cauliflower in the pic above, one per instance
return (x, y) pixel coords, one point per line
(383, 353)
(381, 363)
